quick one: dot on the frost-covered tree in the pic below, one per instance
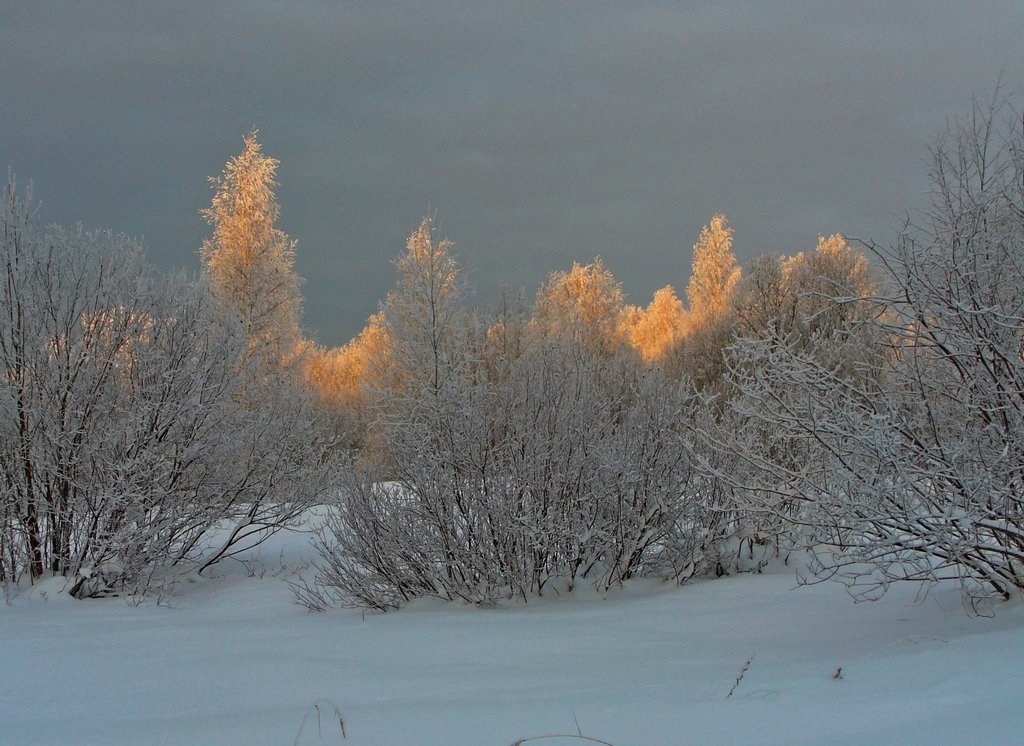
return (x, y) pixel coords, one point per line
(341, 379)
(715, 272)
(762, 295)
(655, 331)
(710, 320)
(581, 306)
(250, 262)
(541, 481)
(821, 305)
(824, 301)
(422, 318)
(831, 301)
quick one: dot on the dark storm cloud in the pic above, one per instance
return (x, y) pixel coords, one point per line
(539, 133)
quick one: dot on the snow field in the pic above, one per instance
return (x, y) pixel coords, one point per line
(232, 661)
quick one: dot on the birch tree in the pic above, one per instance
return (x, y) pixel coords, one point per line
(715, 272)
(583, 306)
(250, 263)
(656, 330)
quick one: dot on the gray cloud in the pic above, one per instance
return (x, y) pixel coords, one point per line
(540, 133)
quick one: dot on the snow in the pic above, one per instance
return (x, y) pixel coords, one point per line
(231, 660)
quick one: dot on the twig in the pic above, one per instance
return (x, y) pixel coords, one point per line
(579, 737)
(739, 676)
(315, 707)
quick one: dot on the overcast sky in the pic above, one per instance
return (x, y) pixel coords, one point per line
(538, 133)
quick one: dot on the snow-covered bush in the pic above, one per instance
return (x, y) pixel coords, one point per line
(508, 491)
(911, 463)
(511, 457)
(132, 442)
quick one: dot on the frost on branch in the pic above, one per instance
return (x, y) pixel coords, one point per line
(131, 449)
(910, 462)
(248, 261)
(515, 456)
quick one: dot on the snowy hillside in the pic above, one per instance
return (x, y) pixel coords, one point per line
(235, 662)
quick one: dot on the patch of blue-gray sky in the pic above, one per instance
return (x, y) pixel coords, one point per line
(538, 133)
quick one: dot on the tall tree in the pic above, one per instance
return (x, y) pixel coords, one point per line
(422, 318)
(715, 272)
(249, 262)
(711, 322)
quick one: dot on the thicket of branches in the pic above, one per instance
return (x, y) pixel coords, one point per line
(508, 454)
(910, 459)
(140, 437)
(511, 456)
(867, 414)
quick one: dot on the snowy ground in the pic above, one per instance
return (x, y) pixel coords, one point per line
(235, 662)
